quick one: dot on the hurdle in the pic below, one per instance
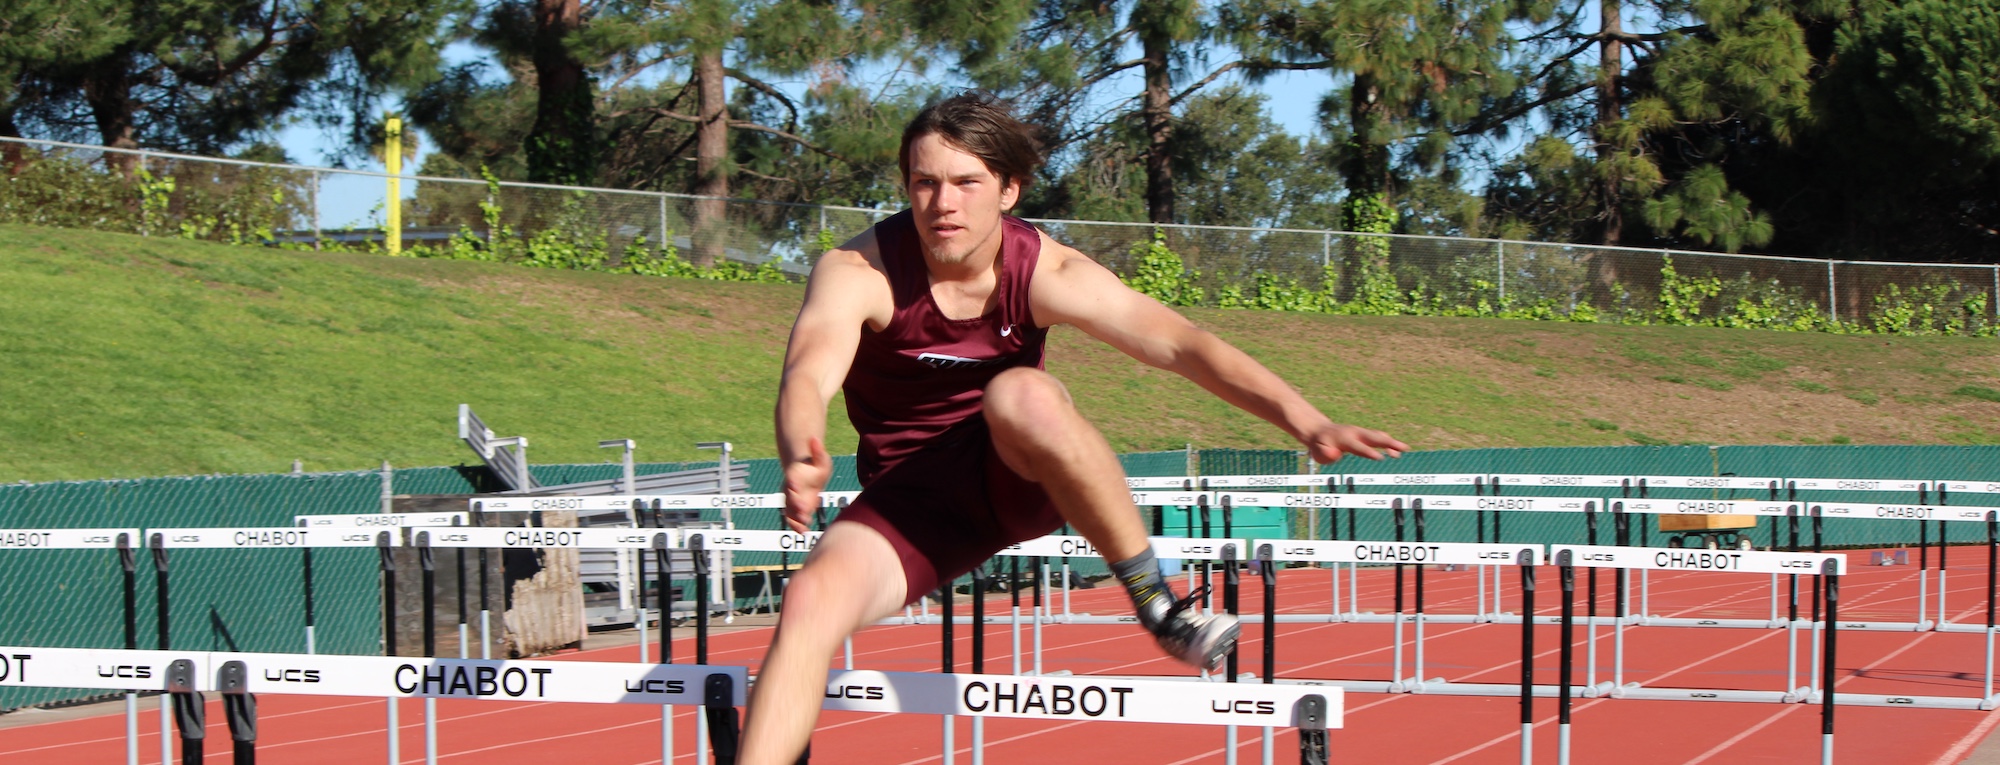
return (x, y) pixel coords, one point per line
(1342, 493)
(1711, 507)
(1202, 495)
(1207, 549)
(1717, 561)
(368, 521)
(125, 542)
(1923, 515)
(1400, 554)
(1409, 515)
(1825, 566)
(1314, 711)
(1638, 500)
(1501, 502)
(186, 712)
(489, 538)
(1037, 697)
(242, 675)
(1990, 517)
(647, 508)
(238, 692)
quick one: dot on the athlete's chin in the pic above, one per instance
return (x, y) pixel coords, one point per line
(947, 253)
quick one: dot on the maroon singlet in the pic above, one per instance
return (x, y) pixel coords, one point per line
(925, 374)
(931, 481)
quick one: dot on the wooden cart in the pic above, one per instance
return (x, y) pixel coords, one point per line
(1707, 531)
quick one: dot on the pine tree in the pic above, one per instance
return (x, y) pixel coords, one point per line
(205, 75)
(1416, 73)
(561, 147)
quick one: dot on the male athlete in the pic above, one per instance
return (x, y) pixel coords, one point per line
(932, 323)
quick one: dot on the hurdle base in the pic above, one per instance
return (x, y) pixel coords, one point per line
(1923, 626)
(1409, 617)
(1920, 702)
(1413, 684)
(1454, 618)
(1951, 627)
(1440, 687)
(1602, 621)
(1302, 618)
(1634, 691)
(1090, 618)
(1683, 621)
(1351, 686)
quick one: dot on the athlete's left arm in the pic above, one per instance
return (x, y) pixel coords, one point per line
(1070, 288)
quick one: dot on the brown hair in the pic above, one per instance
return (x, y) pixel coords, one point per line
(985, 127)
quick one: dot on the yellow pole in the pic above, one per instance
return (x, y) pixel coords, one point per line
(393, 157)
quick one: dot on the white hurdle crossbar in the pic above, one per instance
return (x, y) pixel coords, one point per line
(1313, 710)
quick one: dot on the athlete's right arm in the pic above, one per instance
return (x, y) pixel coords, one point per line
(846, 291)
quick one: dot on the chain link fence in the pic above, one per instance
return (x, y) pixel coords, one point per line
(152, 193)
(222, 600)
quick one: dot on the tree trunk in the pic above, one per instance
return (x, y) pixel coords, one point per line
(1367, 208)
(711, 160)
(559, 147)
(10, 153)
(107, 88)
(1610, 109)
(1159, 118)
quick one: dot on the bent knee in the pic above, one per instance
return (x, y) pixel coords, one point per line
(1023, 395)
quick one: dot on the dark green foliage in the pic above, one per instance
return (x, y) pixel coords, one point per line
(1902, 160)
(206, 75)
(243, 205)
(1232, 166)
(1853, 129)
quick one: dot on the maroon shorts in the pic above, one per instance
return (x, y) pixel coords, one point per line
(949, 507)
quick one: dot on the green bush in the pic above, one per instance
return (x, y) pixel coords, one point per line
(570, 240)
(1160, 274)
(233, 204)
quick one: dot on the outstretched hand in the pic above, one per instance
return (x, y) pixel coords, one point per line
(1332, 440)
(805, 477)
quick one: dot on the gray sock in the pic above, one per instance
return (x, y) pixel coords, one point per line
(1141, 575)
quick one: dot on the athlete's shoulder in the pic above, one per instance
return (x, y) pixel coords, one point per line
(1068, 284)
(863, 251)
(1058, 259)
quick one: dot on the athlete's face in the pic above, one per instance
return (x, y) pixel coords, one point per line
(956, 200)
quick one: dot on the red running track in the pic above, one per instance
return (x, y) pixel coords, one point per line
(1400, 728)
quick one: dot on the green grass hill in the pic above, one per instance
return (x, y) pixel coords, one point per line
(123, 356)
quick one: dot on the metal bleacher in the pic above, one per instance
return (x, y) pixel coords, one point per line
(506, 457)
(610, 591)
